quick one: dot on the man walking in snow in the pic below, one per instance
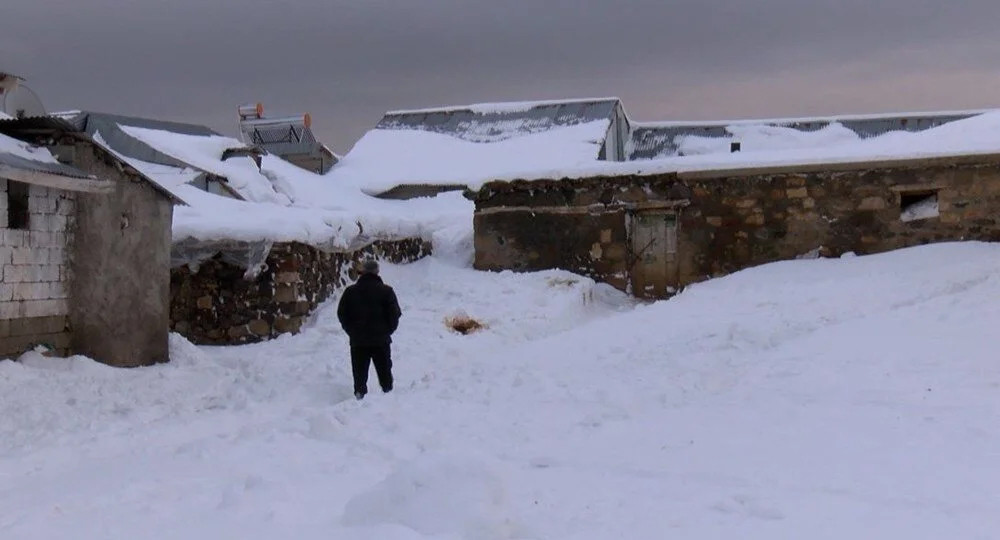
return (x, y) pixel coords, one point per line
(369, 313)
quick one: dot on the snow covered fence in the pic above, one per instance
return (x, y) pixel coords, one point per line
(224, 299)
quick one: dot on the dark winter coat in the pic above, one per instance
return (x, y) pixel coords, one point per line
(369, 312)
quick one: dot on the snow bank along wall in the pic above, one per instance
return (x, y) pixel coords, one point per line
(215, 299)
(652, 235)
(89, 274)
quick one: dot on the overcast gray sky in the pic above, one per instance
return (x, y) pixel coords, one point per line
(347, 62)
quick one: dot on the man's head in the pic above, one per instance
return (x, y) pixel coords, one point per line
(369, 266)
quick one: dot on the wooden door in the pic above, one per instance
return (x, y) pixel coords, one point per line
(654, 250)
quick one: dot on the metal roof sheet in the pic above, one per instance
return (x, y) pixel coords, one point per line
(18, 162)
(650, 141)
(483, 123)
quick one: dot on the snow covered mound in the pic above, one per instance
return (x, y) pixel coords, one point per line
(829, 399)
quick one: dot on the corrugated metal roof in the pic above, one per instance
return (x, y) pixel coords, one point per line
(18, 162)
(111, 136)
(108, 125)
(492, 123)
(650, 141)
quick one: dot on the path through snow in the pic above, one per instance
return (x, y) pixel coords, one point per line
(815, 398)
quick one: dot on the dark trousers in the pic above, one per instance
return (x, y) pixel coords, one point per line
(381, 356)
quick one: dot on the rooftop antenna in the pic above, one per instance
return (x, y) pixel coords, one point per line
(16, 99)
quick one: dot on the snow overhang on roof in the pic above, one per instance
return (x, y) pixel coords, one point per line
(74, 124)
(45, 171)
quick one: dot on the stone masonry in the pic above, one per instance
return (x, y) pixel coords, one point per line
(217, 305)
(34, 276)
(731, 220)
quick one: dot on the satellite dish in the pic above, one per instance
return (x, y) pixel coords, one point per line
(21, 102)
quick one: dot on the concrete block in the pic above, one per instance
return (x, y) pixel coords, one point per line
(57, 257)
(57, 223)
(66, 207)
(6, 292)
(10, 310)
(31, 291)
(5, 255)
(43, 308)
(38, 325)
(58, 291)
(30, 255)
(14, 237)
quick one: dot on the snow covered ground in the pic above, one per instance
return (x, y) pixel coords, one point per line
(848, 398)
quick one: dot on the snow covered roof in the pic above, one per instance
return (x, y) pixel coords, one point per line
(663, 139)
(26, 163)
(493, 122)
(110, 126)
(468, 145)
(777, 146)
(386, 158)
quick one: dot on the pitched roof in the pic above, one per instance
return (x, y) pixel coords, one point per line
(26, 163)
(493, 122)
(651, 140)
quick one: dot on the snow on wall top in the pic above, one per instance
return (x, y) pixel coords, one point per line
(493, 122)
(664, 139)
(771, 146)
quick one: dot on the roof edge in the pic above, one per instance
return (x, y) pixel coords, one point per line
(478, 108)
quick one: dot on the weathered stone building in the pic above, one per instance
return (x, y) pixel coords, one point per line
(652, 235)
(238, 292)
(84, 251)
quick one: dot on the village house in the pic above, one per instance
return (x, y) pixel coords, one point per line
(84, 250)
(430, 151)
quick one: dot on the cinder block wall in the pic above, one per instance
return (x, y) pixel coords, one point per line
(34, 272)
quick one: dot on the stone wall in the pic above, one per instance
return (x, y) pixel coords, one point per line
(34, 272)
(730, 220)
(217, 304)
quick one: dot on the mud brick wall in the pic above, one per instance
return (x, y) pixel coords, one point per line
(34, 276)
(731, 220)
(217, 306)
